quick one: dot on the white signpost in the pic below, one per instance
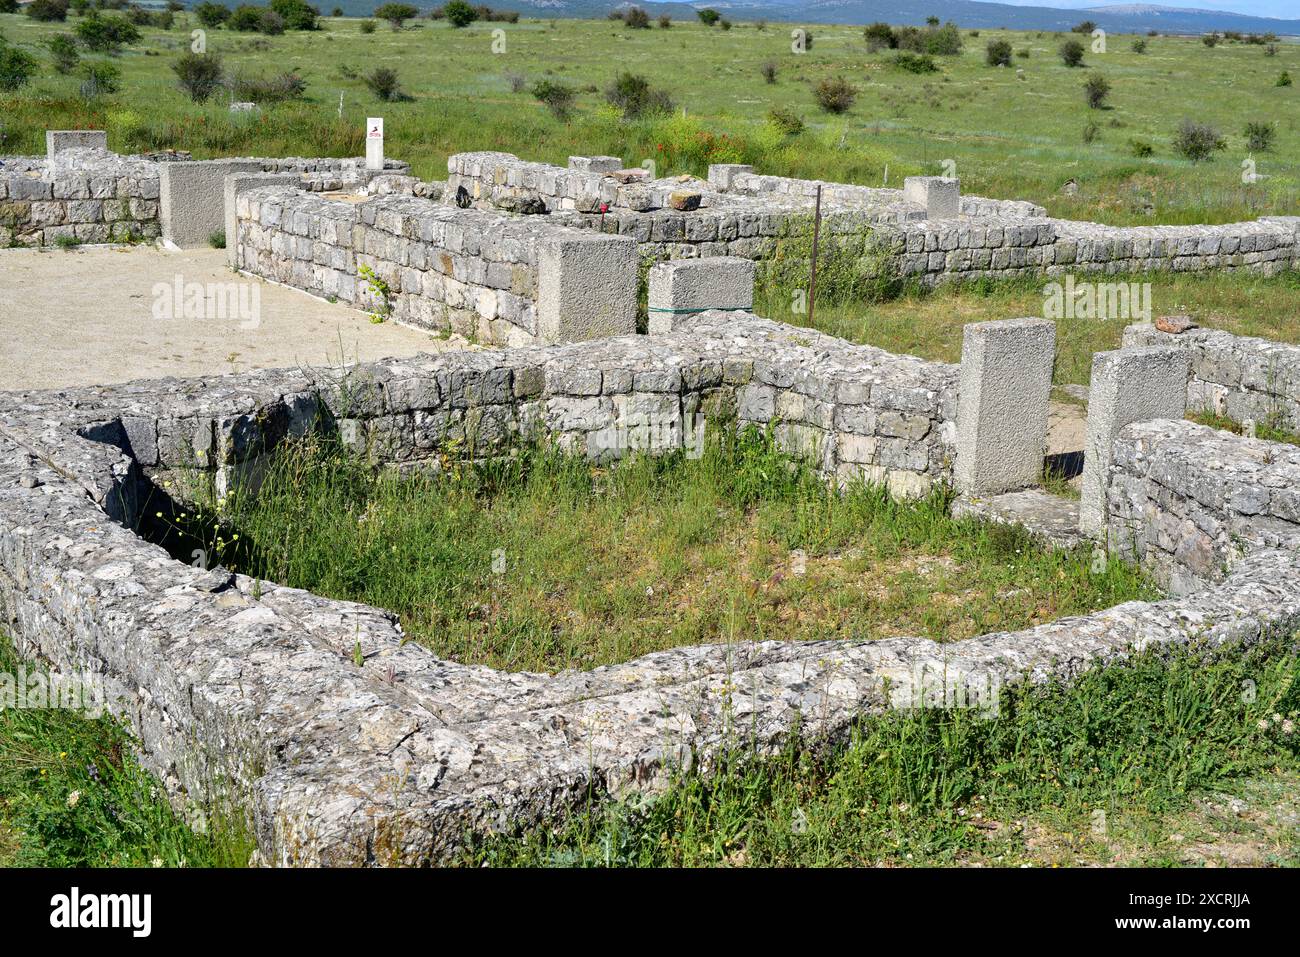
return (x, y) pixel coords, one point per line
(375, 143)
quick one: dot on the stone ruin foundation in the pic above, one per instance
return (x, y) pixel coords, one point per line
(248, 693)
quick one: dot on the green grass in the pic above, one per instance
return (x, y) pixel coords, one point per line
(73, 795)
(601, 565)
(1263, 430)
(1009, 137)
(929, 323)
(1109, 770)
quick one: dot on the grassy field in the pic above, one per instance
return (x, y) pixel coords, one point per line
(601, 565)
(1010, 134)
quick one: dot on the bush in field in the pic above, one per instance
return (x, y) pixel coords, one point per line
(1283, 79)
(16, 67)
(1096, 89)
(880, 35)
(998, 53)
(665, 21)
(1197, 141)
(63, 51)
(396, 13)
(107, 34)
(634, 96)
(1211, 40)
(48, 11)
(211, 15)
(935, 40)
(246, 18)
(367, 26)
(787, 121)
(1139, 46)
(198, 74)
(769, 71)
(636, 18)
(296, 14)
(557, 97)
(1141, 148)
(1260, 136)
(708, 16)
(1071, 53)
(268, 89)
(724, 24)
(915, 62)
(835, 94)
(459, 13)
(1085, 27)
(99, 77)
(271, 23)
(383, 82)
(8, 6)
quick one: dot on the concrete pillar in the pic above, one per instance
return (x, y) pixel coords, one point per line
(192, 198)
(722, 176)
(939, 195)
(58, 140)
(1128, 385)
(236, 183)
(683, 287)
(595, 164)
(586, 286)
(1006, 381)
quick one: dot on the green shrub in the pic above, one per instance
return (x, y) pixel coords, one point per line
(665, 21)
(296, 14)
(636, 18)
(459, 13)
(557, 97)
(1141, 148)
(708, 16)
(383, 83)
(935, 40)
(998, 53)
(8, 6)
(1139, 46)
(99, 78)
(1197, 141)
(835, 94)
(48, 11)
(271, 23)
(198, 74)
(396, 13)
(16, 67)
(270, 89)
(634, 96)
(63, 51)
(246, 18)
(107, 34)
(1210, 40)
(211, 15)
(1283, 79)
(1096, 89)
(367, 26)
(1072, 53)
(786, 120)
(1260, 136)
(880, 35)
(1085, 27)
(914, 62)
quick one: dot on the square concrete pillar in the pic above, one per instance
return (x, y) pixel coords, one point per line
(681, 288)
(722, 176)
(939, 195)
(1128, 385)
(192, 198)
(1006, 381)
(236, 183)
(56, 141)
(586, 286)
(595, 164)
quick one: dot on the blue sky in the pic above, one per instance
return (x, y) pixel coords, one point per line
(1287, 9)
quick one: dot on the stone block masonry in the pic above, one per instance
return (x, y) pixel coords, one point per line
(235, 184)
(681, 289)
(192, 198)
(939, 196)
(1128, 385)
(1189, 502)
(56, 141)
(1241, 377)
(498, 279)
(248, 693)
(1006, 381)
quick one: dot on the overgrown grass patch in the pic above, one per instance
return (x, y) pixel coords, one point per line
(73, 795)
(542, 561)
(1103, 766)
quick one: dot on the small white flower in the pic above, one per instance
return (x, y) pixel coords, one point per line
(157, 862)
(73, 798)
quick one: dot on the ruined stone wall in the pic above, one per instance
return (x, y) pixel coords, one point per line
(469, 272)
(93, 196)
(1241, 377)
(1188, 501)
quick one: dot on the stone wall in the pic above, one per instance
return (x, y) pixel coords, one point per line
(91, 195)
(250, 693)
(1188, 501)
(470, 272)
(1241, 377)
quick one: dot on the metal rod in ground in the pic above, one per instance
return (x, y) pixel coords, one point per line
(812, 279)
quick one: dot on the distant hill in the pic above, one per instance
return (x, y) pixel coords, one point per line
(1121, 18)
